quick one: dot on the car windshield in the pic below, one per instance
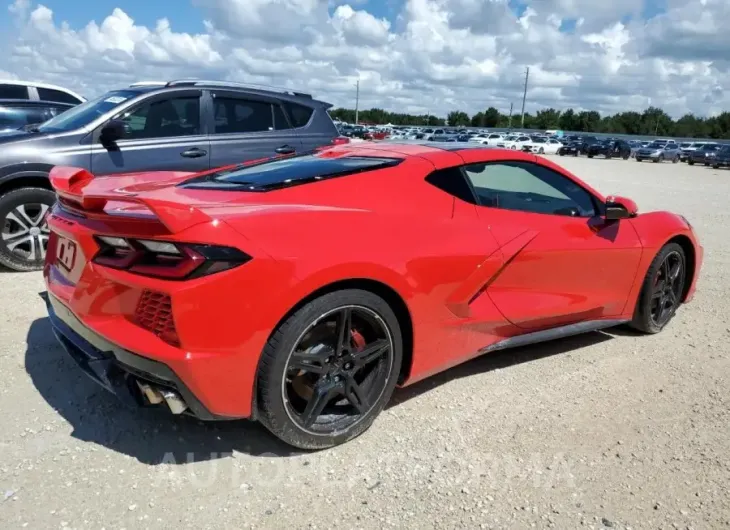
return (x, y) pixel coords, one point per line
(83, 114)
(539, 140)
(656, 145)
(710, 147)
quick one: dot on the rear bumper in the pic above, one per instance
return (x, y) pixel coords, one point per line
(116, 369)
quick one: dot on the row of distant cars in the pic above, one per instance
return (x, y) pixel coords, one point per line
(658, 150)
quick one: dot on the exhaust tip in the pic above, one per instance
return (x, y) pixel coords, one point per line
(153, 396)
(174, 402)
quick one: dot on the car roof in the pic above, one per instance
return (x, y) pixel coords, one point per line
(35, 84)
(423, 149)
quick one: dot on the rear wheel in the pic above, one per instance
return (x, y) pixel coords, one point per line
(675, 160)
(691, 162)
(329, 369)
(23, 228)
(661, 293)
(638, 159)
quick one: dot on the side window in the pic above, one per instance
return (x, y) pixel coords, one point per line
(13, 92)
(300, 115)
(15, 117)
(58, 96)
(163, 119)
(528, 187)
(280, 121)
(452, 181)
(234, 115)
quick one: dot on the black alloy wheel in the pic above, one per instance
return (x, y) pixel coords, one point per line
(662, 291)
(668, 285)
(329, 369)
(337, 370)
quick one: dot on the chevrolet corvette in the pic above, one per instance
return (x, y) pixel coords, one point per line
(299, 291)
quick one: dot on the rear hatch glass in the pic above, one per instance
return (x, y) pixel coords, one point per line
(285, 172)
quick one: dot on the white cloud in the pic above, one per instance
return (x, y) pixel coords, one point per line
(437, 55)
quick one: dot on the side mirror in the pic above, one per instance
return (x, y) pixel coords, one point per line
(111, 132)
(620, 208)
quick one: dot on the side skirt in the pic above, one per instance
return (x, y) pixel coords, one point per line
(552, 334)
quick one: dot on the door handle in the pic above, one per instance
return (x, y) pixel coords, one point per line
(285, 150)
(194, 153)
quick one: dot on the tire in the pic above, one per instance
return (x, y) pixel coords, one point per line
(590, 156)
(626, 157)
(23, 211)
(655, 160)
(276, 407)
(541, 151)
(715, 166)
(691, 162)
(675, 160)
(638, 159)
(643, 320)
(608, 155)
(561, 153)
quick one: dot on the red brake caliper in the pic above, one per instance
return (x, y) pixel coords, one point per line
(357, 339)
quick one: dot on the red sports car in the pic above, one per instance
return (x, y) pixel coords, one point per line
(299, 291)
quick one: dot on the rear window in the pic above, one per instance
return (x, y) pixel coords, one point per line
(279, 173)
(13, 92)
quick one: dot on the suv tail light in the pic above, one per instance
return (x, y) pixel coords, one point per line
(166, 259)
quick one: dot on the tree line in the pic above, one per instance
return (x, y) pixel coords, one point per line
(652, 122)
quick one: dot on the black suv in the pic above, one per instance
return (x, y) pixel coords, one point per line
(187, 125)
(610, 149)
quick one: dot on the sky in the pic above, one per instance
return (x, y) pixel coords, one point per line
(413, 56)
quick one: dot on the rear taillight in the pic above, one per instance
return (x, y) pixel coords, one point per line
(166, 259)
(340, 140)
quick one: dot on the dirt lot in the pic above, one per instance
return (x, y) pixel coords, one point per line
(603, 430)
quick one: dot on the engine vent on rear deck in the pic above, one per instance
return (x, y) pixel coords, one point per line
(154, 313)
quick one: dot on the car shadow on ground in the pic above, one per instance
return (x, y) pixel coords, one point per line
(153, 436)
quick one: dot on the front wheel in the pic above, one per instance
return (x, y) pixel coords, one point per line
(675, 160)
(329, 369)
(691, 162)
(24, 229)
(638, 159)
(541, 151)
(662, 290)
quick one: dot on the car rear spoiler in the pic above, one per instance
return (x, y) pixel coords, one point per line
(82, 193)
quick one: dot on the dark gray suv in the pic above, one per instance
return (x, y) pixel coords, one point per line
(187, 125)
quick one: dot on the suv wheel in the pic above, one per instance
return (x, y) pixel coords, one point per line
(23, 228)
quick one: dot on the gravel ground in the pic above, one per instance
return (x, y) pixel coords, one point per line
(602, 430)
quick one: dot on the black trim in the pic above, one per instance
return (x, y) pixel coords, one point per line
(553, 333)
(115, 368)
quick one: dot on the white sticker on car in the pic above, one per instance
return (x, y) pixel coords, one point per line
(115, 99)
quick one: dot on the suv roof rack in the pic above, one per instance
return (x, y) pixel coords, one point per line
(235, 84)
(148, 83)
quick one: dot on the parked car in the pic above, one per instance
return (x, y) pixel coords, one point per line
(610, 149)
(703, 155)
(176, 126)
(275, 323)
(659, 152)
(515, 141)
(686, 148)
(31, 91)
(722, 157)
(23, 103)
(570, 149)
(585, 142)
(542, 146)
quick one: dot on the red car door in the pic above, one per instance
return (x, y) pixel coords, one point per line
(563, 262)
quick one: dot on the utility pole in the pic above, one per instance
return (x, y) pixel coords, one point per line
(510, 116)
(357, 99)
(524, 97)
